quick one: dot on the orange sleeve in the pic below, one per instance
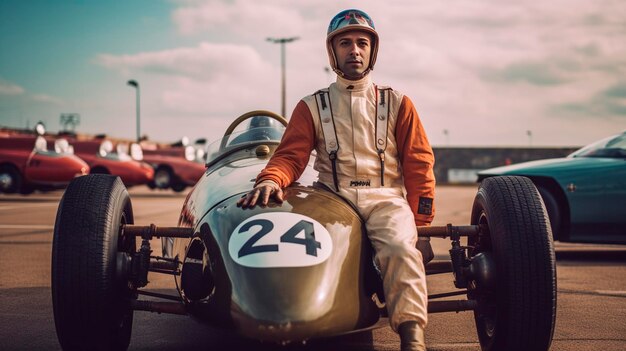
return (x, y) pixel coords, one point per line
(292, 155)
(417, 160)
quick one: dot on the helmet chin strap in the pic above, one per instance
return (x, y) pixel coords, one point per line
(343, 75)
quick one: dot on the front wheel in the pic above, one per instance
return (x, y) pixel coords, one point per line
(90, 297)
(10, 179)
(518, 312)
(163, 177)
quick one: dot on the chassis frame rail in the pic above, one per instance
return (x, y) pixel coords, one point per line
(150, 231)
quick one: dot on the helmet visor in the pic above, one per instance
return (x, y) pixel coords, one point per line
(350, 18)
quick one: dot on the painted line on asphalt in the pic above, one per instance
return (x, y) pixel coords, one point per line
(613, 293)
(619, 293)
(26, 226)
(459, 345)
(25, 206)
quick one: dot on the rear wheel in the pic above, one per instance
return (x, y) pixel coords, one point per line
(27, 189)
(90, 296)
(518, 312)
(10, 179)
(178, 186)
(163, 177)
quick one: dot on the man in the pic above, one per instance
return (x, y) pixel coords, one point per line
(371, 150)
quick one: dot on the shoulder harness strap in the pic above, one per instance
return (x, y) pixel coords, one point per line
(382, 118)
(324, 109)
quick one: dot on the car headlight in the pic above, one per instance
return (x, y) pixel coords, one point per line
(136, 152)
(62, 146)
(122, 149)
(41, 144)
(190, 153)
(105, 148)
(200, 155)
(40, 128)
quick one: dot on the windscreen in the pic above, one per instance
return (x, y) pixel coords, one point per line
(612, 147)
(249, 136)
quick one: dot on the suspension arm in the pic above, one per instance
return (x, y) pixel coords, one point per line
(150, 231)
(448, 231)
(451, 306)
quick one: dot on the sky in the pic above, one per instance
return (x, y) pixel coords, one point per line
(480, 72)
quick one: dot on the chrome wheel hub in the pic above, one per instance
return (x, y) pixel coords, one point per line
(5, 181)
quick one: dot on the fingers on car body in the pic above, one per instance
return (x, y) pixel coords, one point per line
(262, 193)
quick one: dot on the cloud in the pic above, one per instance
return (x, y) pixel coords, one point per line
(617, 109)
(43, 98)
(594, 108)
(8, 88)
(204, 62)
(12, 90)
(247, 18)
(533, 73)
(617, 91)
(609, 102)
(210, 79)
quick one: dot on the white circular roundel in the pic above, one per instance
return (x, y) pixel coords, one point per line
(280, 239)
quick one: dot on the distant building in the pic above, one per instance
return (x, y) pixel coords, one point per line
(459, 165)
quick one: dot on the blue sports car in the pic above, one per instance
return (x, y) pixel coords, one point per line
(584, 193)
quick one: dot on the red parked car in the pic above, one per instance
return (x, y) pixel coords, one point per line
(102, 158)
(175, 167)
(26, 164)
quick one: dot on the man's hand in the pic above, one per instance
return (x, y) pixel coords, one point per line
(262, 192)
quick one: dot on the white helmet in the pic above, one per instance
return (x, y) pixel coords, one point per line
(349, 20)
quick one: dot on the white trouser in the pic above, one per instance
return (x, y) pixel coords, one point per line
(391, 228)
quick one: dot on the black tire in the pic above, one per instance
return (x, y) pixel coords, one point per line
(552, 206)
(99, 170)
(27, 189)
(178, 186)
(10, 179)
(519, 312)
(90, 298)
(163, 177)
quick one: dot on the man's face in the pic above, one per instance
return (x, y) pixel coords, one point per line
(353, 51)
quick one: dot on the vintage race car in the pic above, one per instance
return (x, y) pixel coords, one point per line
(27, 164)
(289, 272)
(106, 158)
(176, 166)
(584, 193)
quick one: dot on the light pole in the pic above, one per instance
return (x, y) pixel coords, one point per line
(282, 42)
(446, 133)
(134, 84)
(530, 137)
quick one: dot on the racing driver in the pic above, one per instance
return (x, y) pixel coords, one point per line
(373, 151)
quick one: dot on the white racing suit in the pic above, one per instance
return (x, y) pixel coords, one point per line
(371, 173)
